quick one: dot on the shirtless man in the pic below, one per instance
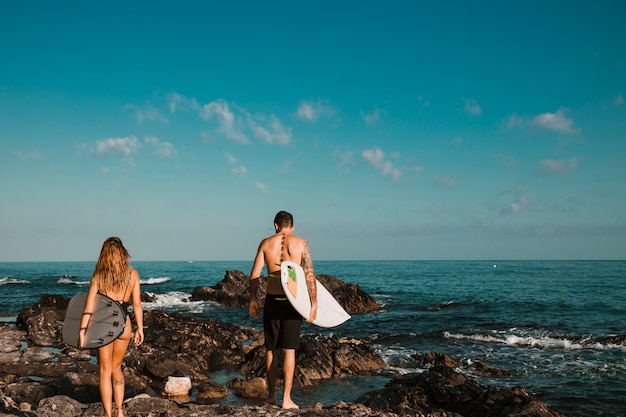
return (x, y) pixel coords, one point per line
(281, 322)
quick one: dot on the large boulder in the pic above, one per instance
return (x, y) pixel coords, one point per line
(44, 321)
(443, 391)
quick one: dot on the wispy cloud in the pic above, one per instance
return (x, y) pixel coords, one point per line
(376, 158)
(124, 146)
(345, 159)
(237, 169)
(220, 110)
(177, 102)
(272, 132)
(472, 107)
(553, 167)
(555, 122)
(619, 100)
(234, 122)
(521, 198)
(311, 111)
(373, 117)
(261, 186)
(161, 149)
(147, 112)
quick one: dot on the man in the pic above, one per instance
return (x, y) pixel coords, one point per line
(281, 322)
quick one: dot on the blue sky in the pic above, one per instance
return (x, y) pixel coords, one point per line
(390, 129)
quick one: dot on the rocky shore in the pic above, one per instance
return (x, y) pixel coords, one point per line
(42, 376)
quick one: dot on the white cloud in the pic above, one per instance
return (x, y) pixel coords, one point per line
(226, 119)
(552, 167)
(374, 117)
(346, 159)
(126, 146)
(376, 158)
(231, 159)
(273, 132)
(311, 111)
(260, 186)
(619, 100)
(148, 112)
(472, 107)
(238, 170)
(522, 196)
(161, 149)
(514, 121)
(177, 102)
(446, 182)
(556, 122)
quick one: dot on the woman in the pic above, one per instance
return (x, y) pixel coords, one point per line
(114, 277)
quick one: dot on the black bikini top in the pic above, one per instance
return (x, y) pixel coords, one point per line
(122, 303)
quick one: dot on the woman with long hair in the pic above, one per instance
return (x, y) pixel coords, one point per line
(114, 277)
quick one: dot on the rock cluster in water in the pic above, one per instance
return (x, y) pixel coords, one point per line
(42, 376)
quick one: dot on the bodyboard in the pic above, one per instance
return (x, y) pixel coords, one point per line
(106, 324)
(329, 311)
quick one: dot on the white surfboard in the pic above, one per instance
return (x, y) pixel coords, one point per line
(329, 311)
(106, 324)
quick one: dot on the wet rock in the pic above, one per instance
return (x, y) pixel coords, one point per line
(43, 322)
(176, 345)
(488, 370)
(29, 391)
(442, 390)
(60, 406)
(232, 291)
(320, 358)
(430, 359)
(10, 345)
(351, 297)
(209, 391)
(612, 339)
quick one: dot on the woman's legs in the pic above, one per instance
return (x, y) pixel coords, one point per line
(105, 356)
(110, 358)
(117, 376)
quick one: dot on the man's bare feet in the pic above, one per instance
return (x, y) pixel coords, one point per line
(289, 405)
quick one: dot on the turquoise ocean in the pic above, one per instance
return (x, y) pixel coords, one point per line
(550, 323)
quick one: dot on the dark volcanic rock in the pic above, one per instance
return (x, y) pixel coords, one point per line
(44, 321)
(351, 297)
(233, 291)
(441, 389)
(320, 358)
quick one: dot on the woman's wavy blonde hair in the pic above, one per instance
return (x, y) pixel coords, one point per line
(112, 271)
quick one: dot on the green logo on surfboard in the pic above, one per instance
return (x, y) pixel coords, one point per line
(292, 274)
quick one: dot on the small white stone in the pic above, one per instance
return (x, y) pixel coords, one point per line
(177, 385)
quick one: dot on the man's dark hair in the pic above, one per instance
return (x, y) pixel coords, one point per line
(283, 219)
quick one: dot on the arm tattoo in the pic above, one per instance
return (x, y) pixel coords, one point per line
(307, 265)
